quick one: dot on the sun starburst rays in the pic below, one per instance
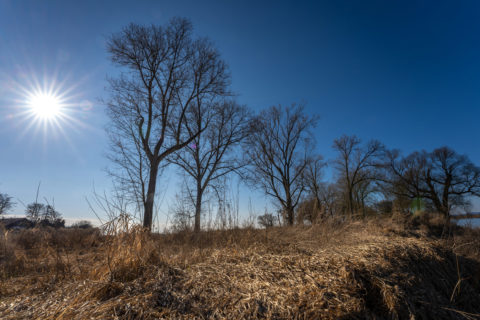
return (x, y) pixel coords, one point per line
(46, 110)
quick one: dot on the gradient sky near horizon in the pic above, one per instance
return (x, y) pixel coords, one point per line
(404, 72)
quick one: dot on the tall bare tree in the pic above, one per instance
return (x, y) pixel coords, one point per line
(278, 149)
(211, 155)
(442, 177)
(357, 167)
(168, 75)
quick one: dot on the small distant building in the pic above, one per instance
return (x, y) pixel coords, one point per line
(16, 223)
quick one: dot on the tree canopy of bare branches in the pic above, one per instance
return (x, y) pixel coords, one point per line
(357, 168)
(212, 155)
(6, 203)
(442, 177)
(168, 75)
(266, 220)
(278, 149)
(46, 214)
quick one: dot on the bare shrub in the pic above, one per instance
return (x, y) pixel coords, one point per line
(266, 220)
(83, 224)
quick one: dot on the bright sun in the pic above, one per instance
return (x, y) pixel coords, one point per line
(45, 106)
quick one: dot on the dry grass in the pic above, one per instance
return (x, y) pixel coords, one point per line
(374, 269)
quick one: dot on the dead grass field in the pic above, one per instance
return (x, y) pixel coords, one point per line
(370, 269)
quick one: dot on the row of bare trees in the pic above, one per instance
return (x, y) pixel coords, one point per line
(172, 105)
(372, 179)
(171, 88)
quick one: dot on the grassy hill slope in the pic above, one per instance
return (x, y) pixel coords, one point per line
(375, 269)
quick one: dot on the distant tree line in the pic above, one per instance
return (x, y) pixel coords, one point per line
(172, 105)
(38, 213)
(369, 180)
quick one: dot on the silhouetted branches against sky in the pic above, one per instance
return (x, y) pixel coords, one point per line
(279, 149)
(442, 177)
(213, 154)
(357, 167)
(168, 76)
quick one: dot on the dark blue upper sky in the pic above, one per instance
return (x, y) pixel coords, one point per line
(404, 72)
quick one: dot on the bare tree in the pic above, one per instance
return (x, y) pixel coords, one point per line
(211, 155)
(44, 214)
(357, 168)
(34, 211)
(6, 203)
(51, 215)
(278, 149)
(331, 198)
(367, 193)
(313, 177)
(266, 220)
(442, 177)
(169, 76)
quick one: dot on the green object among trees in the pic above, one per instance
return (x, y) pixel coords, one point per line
(417, 206)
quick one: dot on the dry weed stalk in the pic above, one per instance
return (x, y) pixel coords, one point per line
(128, 248)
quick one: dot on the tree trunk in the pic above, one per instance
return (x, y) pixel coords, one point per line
(350, 202)
(198, 209)
(148, 206)
(289, 212)
(364, 211)
(318, 210)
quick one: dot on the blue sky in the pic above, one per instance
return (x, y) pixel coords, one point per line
(404, 72)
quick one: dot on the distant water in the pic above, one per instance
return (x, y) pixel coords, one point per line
(474, 223)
